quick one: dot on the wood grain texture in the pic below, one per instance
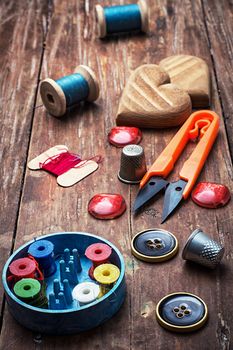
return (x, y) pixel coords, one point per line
(219, 28)
(22, 29)
(177, 27)
(191, 74)
(150, 101)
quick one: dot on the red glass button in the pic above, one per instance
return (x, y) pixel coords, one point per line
(211, 195)
(107, 206)
(121, 136)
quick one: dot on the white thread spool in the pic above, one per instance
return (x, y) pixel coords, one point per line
(86, 292)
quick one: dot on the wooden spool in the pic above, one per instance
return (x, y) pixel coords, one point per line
(101, 20)
(54, 98)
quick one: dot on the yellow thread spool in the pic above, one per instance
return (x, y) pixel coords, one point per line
(106, 275)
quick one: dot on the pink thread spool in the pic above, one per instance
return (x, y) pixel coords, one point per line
(98, 253)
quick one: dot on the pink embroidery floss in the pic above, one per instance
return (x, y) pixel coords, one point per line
(61, 163)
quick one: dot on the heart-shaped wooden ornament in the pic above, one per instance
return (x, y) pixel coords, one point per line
(191, 74)
(150, 101)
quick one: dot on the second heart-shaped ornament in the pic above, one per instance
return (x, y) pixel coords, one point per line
(149, 100)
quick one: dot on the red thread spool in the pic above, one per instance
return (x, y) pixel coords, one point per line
(24, 268)
(98, 253)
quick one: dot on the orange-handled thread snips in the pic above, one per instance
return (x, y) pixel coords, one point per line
(203, 124)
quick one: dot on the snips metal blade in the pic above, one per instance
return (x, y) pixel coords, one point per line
(173, 196)
(152, 187)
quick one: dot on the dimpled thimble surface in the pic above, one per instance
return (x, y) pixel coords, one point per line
(203, 250)
(133, 164)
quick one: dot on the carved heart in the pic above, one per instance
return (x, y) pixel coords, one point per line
(191, 74)
(150, 101)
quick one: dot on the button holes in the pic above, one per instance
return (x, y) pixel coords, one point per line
(176, 309)
(154, 243)
(183, 306)
(178, 188)
(187, 312)
(152, 183)
(180, 315)
(159, 245)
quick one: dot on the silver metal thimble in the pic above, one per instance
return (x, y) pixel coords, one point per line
(133, 164)
(202, 249)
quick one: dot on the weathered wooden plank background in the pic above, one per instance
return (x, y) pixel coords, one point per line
(49, 38)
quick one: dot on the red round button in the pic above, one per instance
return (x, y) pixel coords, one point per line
(211, 195)
(121, 136)
(107, 206)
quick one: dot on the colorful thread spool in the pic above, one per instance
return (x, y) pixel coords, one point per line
(43, 252)
(24, 268)
(68, 91)
(106, 275)
(86, 292)
(124, 18)
(31, 292)
(98, 253)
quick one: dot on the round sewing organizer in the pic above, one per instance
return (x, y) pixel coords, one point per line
(49, 288)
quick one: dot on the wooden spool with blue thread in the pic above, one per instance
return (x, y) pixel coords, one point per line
(61, 94)
(122, 19)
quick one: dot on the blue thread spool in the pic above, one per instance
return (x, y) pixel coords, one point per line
(68, 91)
(42, 252)
(124, 18)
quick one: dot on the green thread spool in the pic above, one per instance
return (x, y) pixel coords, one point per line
(31, 292)
(124, 18)
(61, 94)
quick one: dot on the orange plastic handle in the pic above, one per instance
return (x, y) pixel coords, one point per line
(208, 123)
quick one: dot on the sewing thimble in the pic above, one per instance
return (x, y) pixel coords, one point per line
(133, 164)
(203, 250)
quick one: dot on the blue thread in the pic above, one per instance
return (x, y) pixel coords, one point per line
(124, 18)
(42, 251)
(75, 88)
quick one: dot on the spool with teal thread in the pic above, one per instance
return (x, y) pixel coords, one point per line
(121, 19)
(61, 94)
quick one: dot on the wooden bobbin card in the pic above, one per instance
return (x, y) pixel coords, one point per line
(71, 176)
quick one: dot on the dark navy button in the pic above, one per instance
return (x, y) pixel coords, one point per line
(154, 245)
(181, 311)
